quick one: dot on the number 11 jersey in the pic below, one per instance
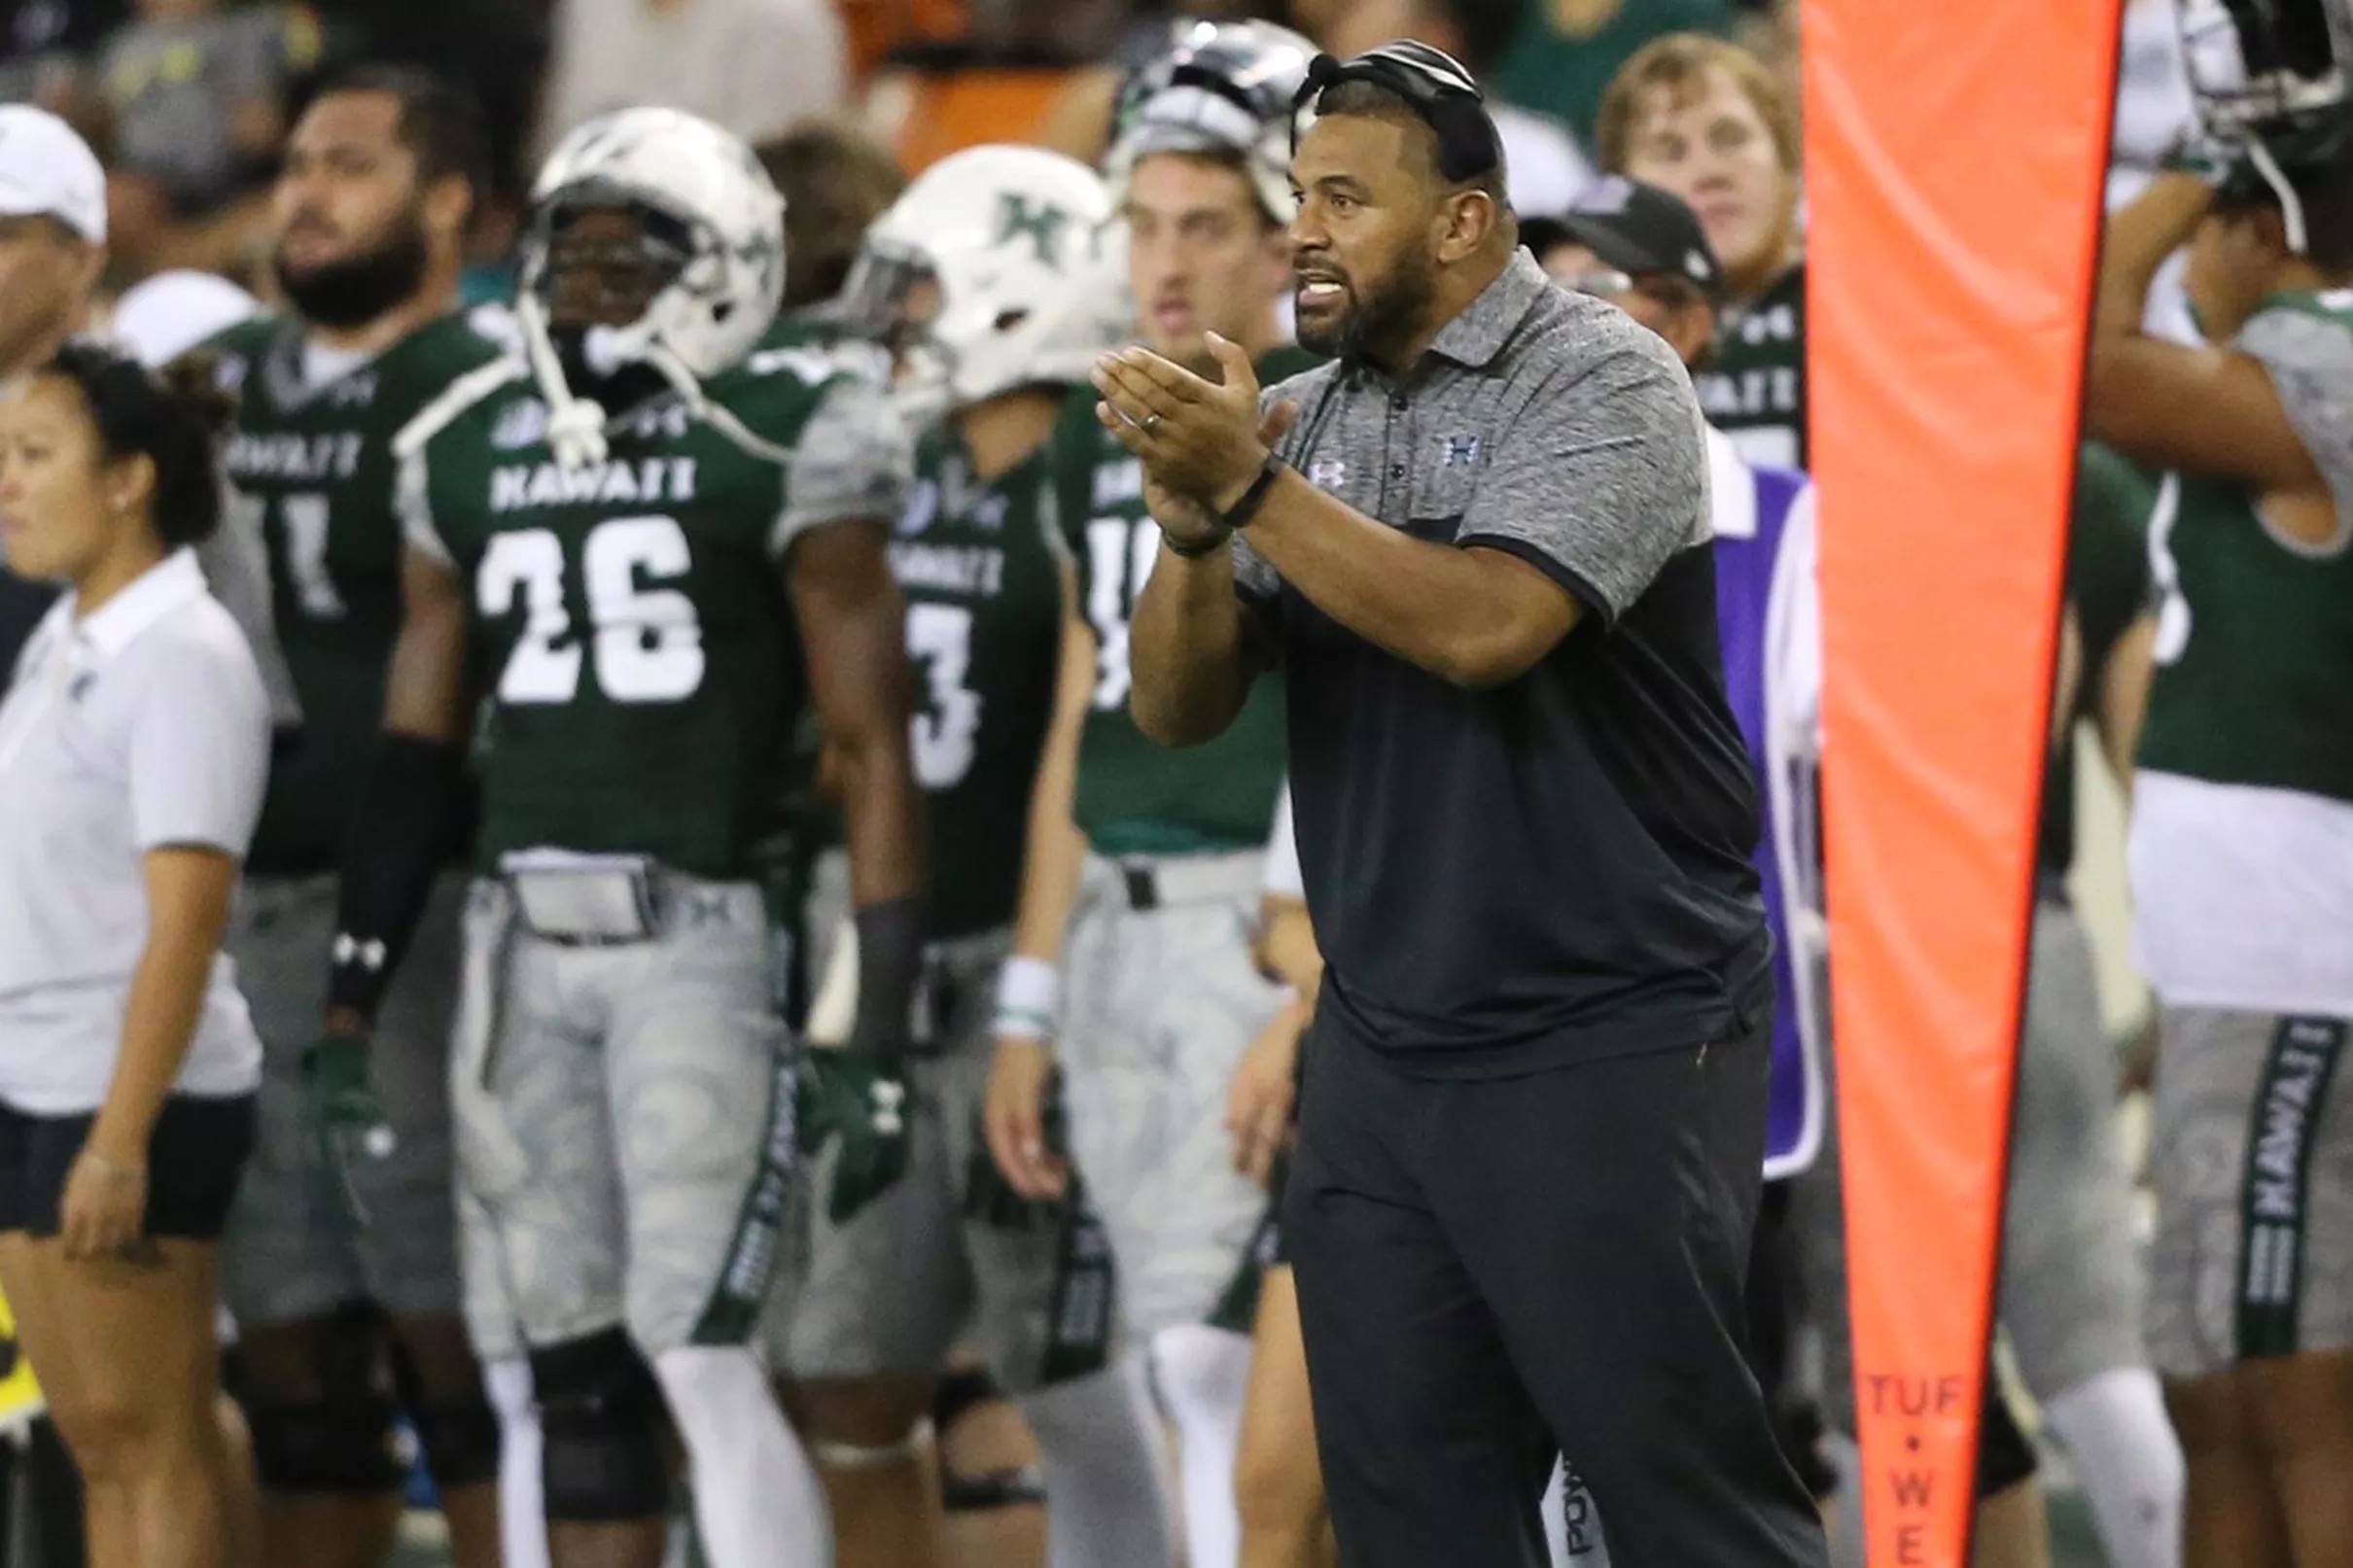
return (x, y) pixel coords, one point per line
(309, 461)
(630, 618)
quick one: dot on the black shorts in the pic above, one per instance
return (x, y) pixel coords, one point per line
(193, 1160)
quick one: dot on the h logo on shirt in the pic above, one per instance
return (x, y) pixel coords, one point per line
(1457, 451)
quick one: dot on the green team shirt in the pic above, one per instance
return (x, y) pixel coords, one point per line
(630, 618)
(984, 624)
(1755, 392)
(311, 465)
(2254, 653)
(2108, 588)
(1134, 796)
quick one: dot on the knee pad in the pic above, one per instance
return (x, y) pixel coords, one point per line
(835, 1455)
(342, 1438)
(960, 1391)
(1022, 1487)
(2005, 1458)
(461, 1442)
(460, 1436)
(455, 1425)
(601, 1417)
(345, 1446)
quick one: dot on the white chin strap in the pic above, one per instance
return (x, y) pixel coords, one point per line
(576, 424)
(2290, 210)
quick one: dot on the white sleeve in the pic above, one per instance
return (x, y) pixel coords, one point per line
(1793, 635)
(199, 749)
(410, 500)
(1282, 877)
(854, 461)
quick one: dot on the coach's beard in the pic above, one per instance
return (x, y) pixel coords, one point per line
(1372, 322)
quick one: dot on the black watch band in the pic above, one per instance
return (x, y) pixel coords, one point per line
(1193, 552)
(1239, 514)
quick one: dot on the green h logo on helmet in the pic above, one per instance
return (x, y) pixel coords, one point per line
(1042, 225)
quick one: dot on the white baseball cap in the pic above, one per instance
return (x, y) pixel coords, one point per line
(46, 169)
(160, 318)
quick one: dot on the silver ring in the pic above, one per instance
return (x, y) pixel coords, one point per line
(1151, 422)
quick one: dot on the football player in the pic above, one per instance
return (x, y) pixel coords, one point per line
(1145, 912)
(655, 539)
(2242, 809)
(340, 1263)
(996, 282)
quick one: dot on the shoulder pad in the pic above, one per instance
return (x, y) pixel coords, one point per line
(466, 392)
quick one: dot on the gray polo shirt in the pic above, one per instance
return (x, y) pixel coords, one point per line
(1557, 869)
(140, 727)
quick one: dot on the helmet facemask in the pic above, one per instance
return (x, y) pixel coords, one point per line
(893, 299)
(2273, 85)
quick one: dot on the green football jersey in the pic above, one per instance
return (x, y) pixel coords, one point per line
(1755, 391)
(1134, 796)
(2254, 654)
(630, 618)
(984, 628)
(311, 465)
(2108, 588)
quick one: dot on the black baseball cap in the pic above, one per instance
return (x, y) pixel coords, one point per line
(1640, 229)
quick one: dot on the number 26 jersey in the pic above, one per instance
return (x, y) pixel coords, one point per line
(630, 618)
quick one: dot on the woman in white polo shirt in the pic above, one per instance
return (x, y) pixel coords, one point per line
(133, 743)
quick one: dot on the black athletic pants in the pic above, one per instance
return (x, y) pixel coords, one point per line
(1485, 1264)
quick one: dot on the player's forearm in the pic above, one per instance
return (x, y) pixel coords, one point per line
(188, 892)
(1189, 655)
(882, 823)
(1289, 946)
(1056, 850)
(1458, 614)
(425, 683)
(401, 825)
(2123, 699)
(882, 818)
(2138, 239)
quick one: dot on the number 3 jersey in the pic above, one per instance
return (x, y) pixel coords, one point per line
(629, 616)
(309, 461)
(984, 627)
(2243, 810)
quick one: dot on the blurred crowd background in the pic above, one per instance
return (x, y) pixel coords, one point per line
(187, 100)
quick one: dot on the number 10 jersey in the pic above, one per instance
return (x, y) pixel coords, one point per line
(630, 618)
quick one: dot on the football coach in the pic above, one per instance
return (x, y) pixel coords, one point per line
(1532, 1127)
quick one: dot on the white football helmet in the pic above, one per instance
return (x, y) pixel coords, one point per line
(716, 222)
(999, 267)
(2272, 81)
(1218, 86)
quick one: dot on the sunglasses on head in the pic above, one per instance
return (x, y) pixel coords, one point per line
(1432, 83)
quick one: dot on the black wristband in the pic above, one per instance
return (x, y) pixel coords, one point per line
(890, 962)
(397, 839)
(1195, 552)
(1239, 514)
